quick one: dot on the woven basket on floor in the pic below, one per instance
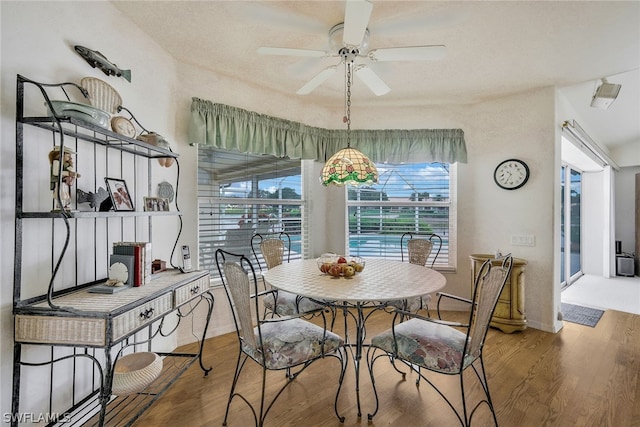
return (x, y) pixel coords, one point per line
(134, 372)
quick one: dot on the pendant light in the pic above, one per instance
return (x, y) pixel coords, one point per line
(348, 166)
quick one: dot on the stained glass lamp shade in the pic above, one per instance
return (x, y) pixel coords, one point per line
(349, 166)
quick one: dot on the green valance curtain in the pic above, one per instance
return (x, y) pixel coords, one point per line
(232, 128)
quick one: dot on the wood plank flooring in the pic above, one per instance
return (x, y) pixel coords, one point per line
(579, 377)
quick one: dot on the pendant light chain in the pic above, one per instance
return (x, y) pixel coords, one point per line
(349, 64)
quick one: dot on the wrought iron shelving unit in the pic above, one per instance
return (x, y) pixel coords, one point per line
(86, 333)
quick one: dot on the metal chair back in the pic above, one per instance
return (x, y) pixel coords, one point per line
(240, 283)
(488, 285)
(419, 249)
(274, 250)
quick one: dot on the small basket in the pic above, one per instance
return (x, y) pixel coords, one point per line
(134, 372)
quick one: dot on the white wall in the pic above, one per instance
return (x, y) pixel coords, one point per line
(625, 189)
(594, 202)
(627, 155)
(36, 40)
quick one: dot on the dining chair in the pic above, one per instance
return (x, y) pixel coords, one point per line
(282, 343)
(419, 248)
(434, 346)
(274, 250)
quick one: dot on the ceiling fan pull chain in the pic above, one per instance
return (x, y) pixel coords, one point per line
(346, 74)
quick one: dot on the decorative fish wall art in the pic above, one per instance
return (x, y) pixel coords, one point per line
(98, 60)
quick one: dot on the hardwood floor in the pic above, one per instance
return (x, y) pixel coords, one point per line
(579, 377)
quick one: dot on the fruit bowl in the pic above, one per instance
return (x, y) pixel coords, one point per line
(340, 266)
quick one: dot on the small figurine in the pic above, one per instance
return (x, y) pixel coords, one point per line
(69, 175)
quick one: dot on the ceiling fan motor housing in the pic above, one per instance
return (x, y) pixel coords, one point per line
(349, 54)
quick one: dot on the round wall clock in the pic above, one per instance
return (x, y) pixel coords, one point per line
(123, 126)
(511, 174)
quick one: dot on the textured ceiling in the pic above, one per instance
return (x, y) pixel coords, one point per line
(493, 49)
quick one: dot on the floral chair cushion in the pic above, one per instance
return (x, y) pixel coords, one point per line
(289, 304)
(426, 344)
(291, 342)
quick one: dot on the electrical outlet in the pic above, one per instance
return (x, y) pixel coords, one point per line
(523, 240)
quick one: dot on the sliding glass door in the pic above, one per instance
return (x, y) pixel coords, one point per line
(570, 225)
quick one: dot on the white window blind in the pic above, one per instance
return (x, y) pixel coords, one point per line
(240, 195)
(418, 198)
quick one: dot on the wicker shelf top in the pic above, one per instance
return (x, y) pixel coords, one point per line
(97, 305)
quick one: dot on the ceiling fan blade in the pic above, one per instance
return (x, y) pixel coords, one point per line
(356, 19)
(317, 80)
(285, 51)
(371, 79)
(409, 53)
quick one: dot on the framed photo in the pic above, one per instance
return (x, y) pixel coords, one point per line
(119, 194)
(157, 204)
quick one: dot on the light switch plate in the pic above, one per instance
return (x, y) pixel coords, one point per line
(523, 240)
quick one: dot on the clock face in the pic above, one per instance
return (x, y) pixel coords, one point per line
(511, 174)
(123, 126)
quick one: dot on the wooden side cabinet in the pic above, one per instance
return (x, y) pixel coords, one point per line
(510, 314)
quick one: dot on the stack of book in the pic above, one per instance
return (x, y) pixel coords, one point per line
(141, 252)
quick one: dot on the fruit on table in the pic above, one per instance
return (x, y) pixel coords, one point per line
(340, 265)
(325, 267)
(335, 270)
(348, 271)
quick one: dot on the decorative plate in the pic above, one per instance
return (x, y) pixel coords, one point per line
(123, 126)
(165, 190)
(101, 94)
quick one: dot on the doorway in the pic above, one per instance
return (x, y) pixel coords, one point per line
(570, 225)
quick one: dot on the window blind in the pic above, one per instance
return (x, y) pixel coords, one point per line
(407, 198)
(241, 195)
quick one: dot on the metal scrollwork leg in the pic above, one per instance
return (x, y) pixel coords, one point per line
(208, 297)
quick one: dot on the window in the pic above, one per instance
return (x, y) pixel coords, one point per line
(416, 197)
(240, 195)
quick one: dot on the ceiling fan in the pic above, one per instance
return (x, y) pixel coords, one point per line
(350, 42)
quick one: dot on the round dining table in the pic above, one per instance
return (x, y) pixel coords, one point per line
(382, 281)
